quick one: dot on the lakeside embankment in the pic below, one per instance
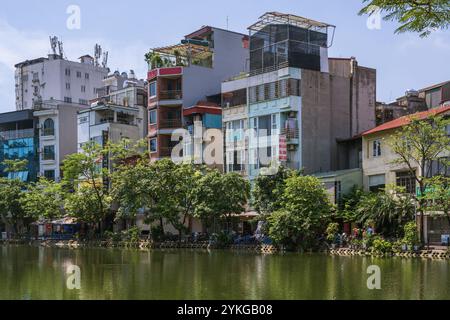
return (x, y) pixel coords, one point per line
(431, 253)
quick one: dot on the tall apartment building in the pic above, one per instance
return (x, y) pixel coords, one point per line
(295, 105)
(182, 76)
(56, 78)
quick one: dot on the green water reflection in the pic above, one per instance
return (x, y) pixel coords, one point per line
(40, 273)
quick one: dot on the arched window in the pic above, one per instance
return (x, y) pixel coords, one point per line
(49, 128)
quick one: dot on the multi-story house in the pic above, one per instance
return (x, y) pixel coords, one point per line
(57, 124)
(19, 140)
(299, 106)
(56, 78)
(183, 75)
(379, 171)
(122, 89)
(414, 101)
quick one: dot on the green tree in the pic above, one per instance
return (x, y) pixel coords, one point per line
(305, 213)
(11, 210)
(45, 199)
(11, 191)
(220, 196)
(421, 16)
(389, 211)
(131, 188)
(85, 175)
(347, 208)
(185, 190)
(437, 196)
(268, 189)
(417, 146)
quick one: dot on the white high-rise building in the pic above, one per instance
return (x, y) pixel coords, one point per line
(58, 79)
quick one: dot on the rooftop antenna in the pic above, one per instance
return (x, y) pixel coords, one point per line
(53, 43)
(105, 59)
(61, 49)
(228, 20)
(98, 54)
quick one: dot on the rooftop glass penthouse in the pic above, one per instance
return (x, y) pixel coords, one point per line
(280, 40)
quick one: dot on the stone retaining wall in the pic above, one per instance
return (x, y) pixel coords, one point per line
(425, 254)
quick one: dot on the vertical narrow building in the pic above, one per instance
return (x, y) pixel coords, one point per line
(299, 103)
(185, 76)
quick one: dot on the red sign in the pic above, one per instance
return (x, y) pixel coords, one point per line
(170, 71)
(152, 74)
(283, 148)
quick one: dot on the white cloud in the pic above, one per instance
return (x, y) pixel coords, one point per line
(438, 40)
(19, 45)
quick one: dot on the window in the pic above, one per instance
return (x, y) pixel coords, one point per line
(376, 148)
(49, 175)
(440, 167)
(274, 122)
(377, 182)
(67, 86)
(49, 128)
(406, 180)
(67, 100)
(152, 89)
(83, 102)
(78, 74)
(67, 72)
(153, 145)
(252, 95)
(83, 120)
(83, 88)
(152, 117)
(49, 153)
(86, 76)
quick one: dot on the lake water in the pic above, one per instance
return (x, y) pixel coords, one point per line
(40, 273)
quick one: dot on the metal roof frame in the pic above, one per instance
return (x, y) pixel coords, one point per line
(282, 18)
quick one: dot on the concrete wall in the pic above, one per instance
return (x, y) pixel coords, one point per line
(229, 59)
(361, 89)
(316, 124)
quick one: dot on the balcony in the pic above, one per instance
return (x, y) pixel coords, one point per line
(170, 123)
(291, 133)
(170, 95)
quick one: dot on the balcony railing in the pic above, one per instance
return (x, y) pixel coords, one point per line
(17, 134)
(170, 123)
(171, 95)
(291, 133)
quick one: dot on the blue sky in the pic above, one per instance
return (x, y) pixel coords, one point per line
(127, 29)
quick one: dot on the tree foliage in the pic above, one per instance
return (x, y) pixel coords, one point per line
(389, 210)
(421, 16)
(268, 189)
(45, 199)
(304, 214)
(221, 195)
(417, 146)
(11, 209)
